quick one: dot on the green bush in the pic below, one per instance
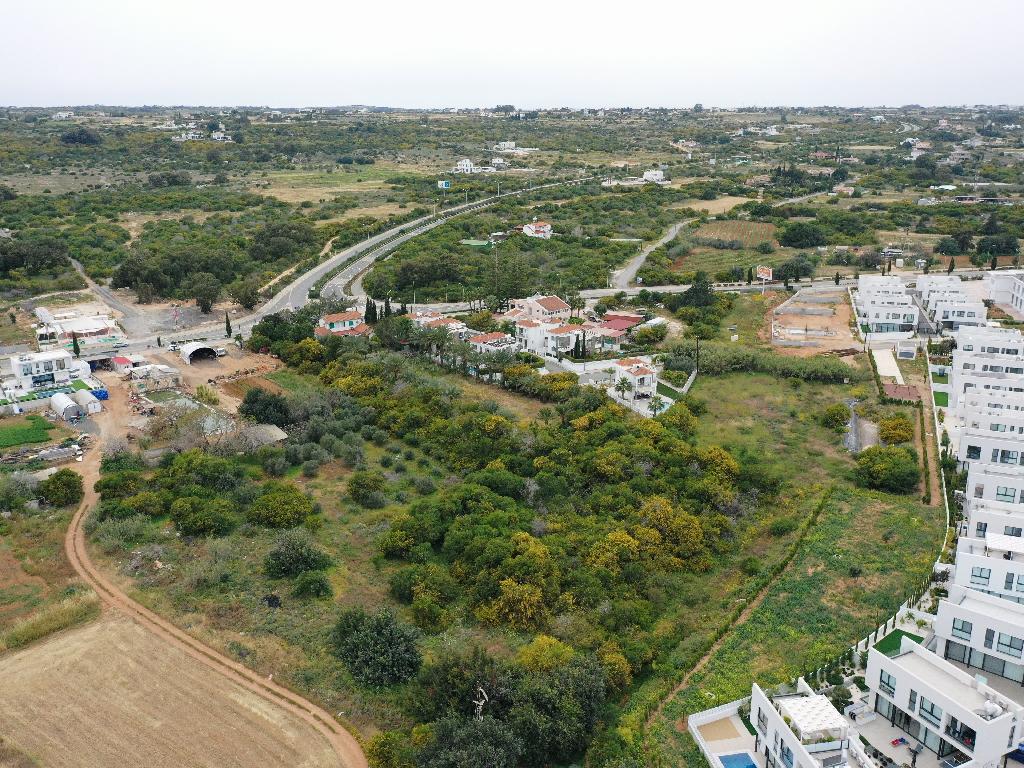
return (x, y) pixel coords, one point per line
(120, 535)
(896, 429)
(888, 468)
(377, 648)
(312, 584)
(295, 552)
(282, 505)
(836, 416)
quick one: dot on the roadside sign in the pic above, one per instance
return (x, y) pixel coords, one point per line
(764, 273)
(444, 184)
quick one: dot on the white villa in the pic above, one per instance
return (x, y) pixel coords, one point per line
(32, 371)
(884, 309)
(539, 229)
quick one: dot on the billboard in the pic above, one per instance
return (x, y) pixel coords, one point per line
(764, 273)
(444, 184)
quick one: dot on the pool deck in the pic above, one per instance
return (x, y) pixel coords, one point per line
(728, 736)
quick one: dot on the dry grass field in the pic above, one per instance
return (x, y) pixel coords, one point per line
(749, 233)
(141, 702)
(712, 207)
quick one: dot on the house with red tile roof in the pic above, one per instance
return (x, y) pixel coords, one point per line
(539, 229)
(337, 322)
(495, 341)
(550, 308)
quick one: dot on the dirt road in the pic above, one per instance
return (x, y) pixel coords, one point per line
(343, 743)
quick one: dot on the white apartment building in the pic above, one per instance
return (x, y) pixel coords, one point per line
(654, 176)
(884, 307)
(986, 360)
(1006, 290)
(948, 711)
(948, 304)
(801, 730)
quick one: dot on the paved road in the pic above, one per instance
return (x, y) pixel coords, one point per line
(623, 277)
(354, 273)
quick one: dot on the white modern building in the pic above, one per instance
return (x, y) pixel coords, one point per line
(986, 360)
(32, 371)
(799, 730)
(539, 229)
(60, 330)
(1005, 289)
(948, 304)
(885, 311)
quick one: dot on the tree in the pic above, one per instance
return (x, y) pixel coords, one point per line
(837, 278)
(366, 489)
(265, 407)
(387, 306)
(952, 266)
(204, 287)
(282, 505)
(888, 468)
(377, 649)
(370, 312)
(622, 386)
(459, 742)
(80, 135)
(836, 416)
(803, 234)
(227, 326)
(76, 348)
(657, 404)
(312, 584)
(948, 246)
(246, 291)
(964, 240)
(62, 488)
(750, 275)
(294, 551)
(993, 263)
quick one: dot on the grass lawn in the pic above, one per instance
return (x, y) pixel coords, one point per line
(940, 378)
(890, 644)
(751, 318)
(666, 391)
(941, 398)
(23, 430)
(79, 385)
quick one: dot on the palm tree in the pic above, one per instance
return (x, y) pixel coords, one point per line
(657, 404)
(622, 386)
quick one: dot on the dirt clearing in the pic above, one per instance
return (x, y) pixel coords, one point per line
(813, 321)
(141, 701)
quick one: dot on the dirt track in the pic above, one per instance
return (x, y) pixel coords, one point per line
(343, 743)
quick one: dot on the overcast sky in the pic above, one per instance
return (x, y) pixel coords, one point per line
(437, 53)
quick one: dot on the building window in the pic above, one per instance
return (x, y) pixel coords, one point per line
(762, 721)
(979, 529)
(1006, 493)
(979, 491)
(980, 576)
(1011, 530)
(1020, 582)
(1008, 457)
(1010, 645)
(913, 700)
(887, 683)
(973, 451)
(1008, 581)
(930, 712)
(961, 629)
(997, 427)
(990, 637)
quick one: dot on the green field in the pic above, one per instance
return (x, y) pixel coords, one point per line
(865, 553)
(23, 430)
(941, 399)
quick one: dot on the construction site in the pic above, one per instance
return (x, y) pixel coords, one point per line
(814, 320)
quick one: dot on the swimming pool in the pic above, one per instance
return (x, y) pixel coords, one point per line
(738, 760)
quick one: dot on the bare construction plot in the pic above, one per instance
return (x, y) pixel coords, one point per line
(814, 320)
(138, 700)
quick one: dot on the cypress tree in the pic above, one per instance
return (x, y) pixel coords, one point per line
(952, 265)
(227, 326)
(75, 347)
(750, 275)
(387, 306)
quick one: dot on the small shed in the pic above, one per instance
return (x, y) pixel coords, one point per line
(89, 402)
(121, 364)
(65, 407)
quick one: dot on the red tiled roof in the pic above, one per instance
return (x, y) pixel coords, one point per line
(628, 362)
(341, 317)
(639, 370)
(360, 330)
(484, 338)
(563, 329)
(619, 324)
(527, 323)
(122, 360)
(552, 303)
(442, 321)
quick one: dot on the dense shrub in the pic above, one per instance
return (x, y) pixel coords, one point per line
(62, 488)
(836, 416)
(312, 584)
(377, 649)
(888, 468)
(294, 552)
(896, 429)
(282, 505)
(719, 359)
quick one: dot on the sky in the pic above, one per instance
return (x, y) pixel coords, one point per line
(456, 53)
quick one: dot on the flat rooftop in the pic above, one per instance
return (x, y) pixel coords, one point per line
(941, 676)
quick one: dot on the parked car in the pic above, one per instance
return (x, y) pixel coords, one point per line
(221, 352)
